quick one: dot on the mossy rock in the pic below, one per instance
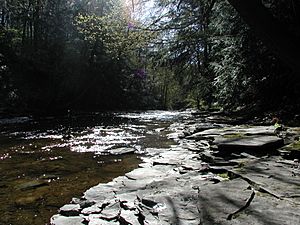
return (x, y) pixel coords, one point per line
(224, 175)
(293, 149)
(295, 146)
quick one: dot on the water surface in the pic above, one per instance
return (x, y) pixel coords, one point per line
(45, 162)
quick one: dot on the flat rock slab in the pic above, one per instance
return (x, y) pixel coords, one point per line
(218, 201)
(259, 143)
(280, 178)
(101, 192)
(233, 131)
(142, 173)
(175, 187)
(94, 219)
(63, 220)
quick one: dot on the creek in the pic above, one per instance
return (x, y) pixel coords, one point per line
(46, 162)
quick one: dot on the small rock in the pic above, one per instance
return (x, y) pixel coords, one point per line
(48, 177)
(27, 200)
(32, 185)
(121, 151)
(70, 210)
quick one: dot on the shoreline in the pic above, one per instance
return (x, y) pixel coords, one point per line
(189, 184)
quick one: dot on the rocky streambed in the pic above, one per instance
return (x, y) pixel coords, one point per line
(216, 173)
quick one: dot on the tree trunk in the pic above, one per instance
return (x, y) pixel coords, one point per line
(270, 30)
(36, 24)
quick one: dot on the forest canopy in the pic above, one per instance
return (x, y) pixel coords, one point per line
(57, 55)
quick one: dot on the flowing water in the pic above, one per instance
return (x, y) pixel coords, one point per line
(45, 162)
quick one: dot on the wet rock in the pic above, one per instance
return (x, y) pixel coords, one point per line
(48, 177)
(121, 151)
(155, 151)
(70, 210)
(32, 185)
(62, 220)
(29, 200)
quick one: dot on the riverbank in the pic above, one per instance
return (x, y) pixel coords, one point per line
(194, 183)
(45, 162)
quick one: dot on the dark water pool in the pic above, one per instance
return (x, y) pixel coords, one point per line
(45, 162)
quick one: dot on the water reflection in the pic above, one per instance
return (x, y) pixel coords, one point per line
(47, 161)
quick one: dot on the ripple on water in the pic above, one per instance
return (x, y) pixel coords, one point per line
(70, 158)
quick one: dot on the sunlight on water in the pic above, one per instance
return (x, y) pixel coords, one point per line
(152, 115)
(46, 162)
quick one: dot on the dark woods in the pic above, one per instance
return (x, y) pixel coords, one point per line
(57, 55)
(48, 65)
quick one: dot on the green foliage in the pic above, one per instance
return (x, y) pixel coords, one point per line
(73, 54)
(97, 54)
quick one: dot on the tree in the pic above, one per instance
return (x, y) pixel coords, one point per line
(271, 30)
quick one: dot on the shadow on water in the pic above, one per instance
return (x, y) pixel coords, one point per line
(46, 162)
